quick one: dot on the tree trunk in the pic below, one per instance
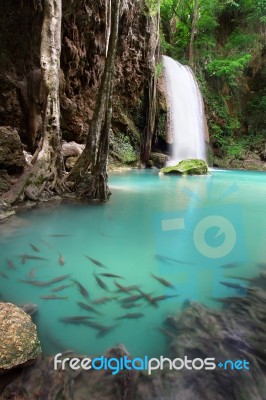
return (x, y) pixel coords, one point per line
(48, 164)
(50, 65)
(90, 171)
(153, 22)
(193, 32)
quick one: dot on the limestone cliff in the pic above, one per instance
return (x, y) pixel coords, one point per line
(84, 36)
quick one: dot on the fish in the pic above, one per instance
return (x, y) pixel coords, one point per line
(61, 260)
(107, 329)
(3, 275)
(88, 308)
(58, 235)
(25, 257)
(62, 287)
(125, 289)
(227, 300)
(261, 265)
(130, 305)
(132, 298)
(165, 297)
(241, 278)
(232, 285)
(35, 248)
(148, 298)
(82, 289)
(102, 330)
(131, 316)
(104, 300)
(53, 297)
(10, 264)
(166, 332)
(163, 281)
(74, 320)
(96, 262)
(32, 273)
(45, 283)
(95, 325)
(170, 260)
(112, 276)
(100, 282)
(230, 265)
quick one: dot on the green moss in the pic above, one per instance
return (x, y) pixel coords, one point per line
(187, 167)
(122, 147)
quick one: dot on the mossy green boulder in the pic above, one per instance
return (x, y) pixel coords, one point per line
(187, 167)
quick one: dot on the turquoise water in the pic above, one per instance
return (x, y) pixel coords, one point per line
(194, 232)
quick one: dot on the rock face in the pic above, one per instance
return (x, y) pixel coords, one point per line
(19, 342)
(11, 151)
(159, 159)
(187, 167)
(84, 38)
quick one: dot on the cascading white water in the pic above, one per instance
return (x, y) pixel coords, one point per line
(186, 118)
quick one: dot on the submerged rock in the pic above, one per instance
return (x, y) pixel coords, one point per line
(19, 343)
(187, 167)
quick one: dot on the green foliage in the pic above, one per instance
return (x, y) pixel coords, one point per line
(228, 68)
(122, 146)
(228, 47)
(153, 6)
(158, 69)
(256, 108)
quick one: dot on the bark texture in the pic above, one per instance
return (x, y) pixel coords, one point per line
(152, 29)
(95, 155)
(46, 167)
(50, 153)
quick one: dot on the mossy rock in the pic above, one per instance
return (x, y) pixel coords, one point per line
(19, 344)
(187, 167)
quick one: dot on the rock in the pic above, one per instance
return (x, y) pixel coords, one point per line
(70, 162)
(28, 157)
(72, 149)
(19, 342)
(187, 167)
(159, 159)
(11, 150)
(5, 183)
(5, 210)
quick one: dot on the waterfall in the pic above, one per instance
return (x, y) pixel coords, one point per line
(187, 126)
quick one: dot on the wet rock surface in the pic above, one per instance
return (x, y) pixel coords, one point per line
(187, 167)
(11, 150)
(19, 342)
(159, 159)
(84, 33)
(6, 211)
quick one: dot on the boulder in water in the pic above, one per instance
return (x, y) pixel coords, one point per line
(19, 342)
(187, 167)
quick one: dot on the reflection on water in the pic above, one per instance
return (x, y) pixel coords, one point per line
(109, 274)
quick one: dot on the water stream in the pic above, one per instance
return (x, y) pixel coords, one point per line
(138, 234)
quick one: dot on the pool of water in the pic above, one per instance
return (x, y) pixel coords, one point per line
(193, 232)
